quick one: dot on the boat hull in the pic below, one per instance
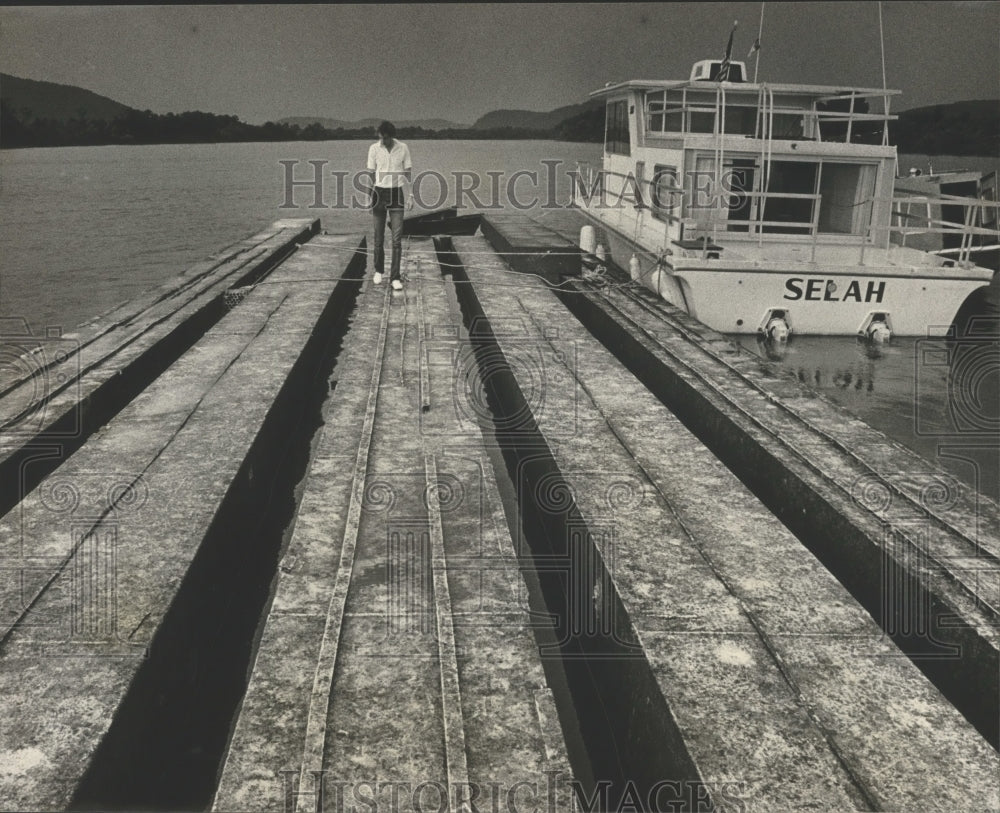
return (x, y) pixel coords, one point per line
(827, 303)
(817, 299)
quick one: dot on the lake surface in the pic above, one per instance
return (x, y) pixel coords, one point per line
(85, 228)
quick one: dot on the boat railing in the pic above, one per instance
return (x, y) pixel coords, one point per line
(710, 210)
(766, 108)
(713, 219)
(978, 231)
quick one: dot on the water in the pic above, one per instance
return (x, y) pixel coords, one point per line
(85, 228)
(939, 397)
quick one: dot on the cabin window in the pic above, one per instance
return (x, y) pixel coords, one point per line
(701, 121)
(663, 112)
(654, 111)
(741, 120)
(699, 186)
(727, 202)
(665, 194)
(803, 197)
(673, 119)
(666, 112)
(738, 185)
(846, 192)
(616, 138)
(787, 126)
(791, 191)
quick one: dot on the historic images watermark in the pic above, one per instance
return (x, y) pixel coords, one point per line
(60, 542)
(313, 180)
(65, 585)
(967, 360)
(545, 368)
(38, 369)
(582, 553)
(523, 189)
(964, 365)
(910, 507)
(555, 793)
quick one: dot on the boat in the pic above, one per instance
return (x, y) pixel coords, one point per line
(768, 209)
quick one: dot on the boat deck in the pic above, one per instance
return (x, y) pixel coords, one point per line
(844, 257)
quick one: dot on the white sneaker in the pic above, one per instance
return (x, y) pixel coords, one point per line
(377, 278)
(397, 285)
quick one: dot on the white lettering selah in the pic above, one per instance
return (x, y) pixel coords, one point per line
(828, 290)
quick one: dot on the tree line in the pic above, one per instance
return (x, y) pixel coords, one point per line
(964, 128)
(22, 129)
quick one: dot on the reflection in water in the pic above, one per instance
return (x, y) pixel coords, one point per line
(873, 350)
(938, 396)
(770, 349)
(855, 372)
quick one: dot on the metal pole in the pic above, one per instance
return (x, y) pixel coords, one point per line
(760, 30)
(885, 95)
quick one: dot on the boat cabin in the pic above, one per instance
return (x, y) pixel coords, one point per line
(733, 158)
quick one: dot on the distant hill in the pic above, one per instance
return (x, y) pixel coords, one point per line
(31, 99)
(957, 128)
(361, 124)
(43, 114)
(585, 126)
(534, 120)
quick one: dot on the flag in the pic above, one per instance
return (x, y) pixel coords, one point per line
(723, 75)
(754, 48)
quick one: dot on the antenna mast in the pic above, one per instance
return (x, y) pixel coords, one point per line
(760, 30)
(885, 95)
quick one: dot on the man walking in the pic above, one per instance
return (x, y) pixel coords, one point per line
(389, 163)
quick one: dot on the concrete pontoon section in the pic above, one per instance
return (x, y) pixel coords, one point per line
(66, 386)
(918, 549)
(398, 665)
(119, 569)
(727, 655)
(536, 248)
(281, 539)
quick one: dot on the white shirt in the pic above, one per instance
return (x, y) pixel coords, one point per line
(389, 165)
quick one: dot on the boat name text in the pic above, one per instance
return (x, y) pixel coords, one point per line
(828, 290)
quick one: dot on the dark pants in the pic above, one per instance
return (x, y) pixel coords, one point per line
(388, 202)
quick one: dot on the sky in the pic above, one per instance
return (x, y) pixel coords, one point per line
(459, 61)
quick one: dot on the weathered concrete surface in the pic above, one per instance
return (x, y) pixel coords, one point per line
(877, 515)
(530, 246)
(397, 650)
(767, 670)
(94, 558)
(55, 395)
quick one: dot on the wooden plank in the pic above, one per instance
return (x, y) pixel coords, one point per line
(531, 248)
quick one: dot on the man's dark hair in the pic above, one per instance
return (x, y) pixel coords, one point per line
(387, 128)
